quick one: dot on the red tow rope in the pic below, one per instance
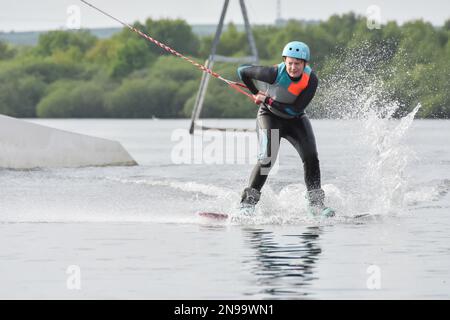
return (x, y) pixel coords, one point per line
(235, 85)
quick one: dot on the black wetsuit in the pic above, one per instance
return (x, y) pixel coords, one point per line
(296, 129)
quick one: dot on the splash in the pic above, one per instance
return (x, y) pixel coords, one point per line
(356, 92)
(383, 185)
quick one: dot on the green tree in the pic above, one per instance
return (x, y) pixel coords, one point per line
(414, 44)
(20, 95)
(177, 34)
(104, 52)
(73, 99)
(50, 71)
(447, 25)
(140, 99)
(6, 52)
(173, 68)
(133, 55)
(54, 41)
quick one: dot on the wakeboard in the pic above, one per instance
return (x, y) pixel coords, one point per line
(213, 215)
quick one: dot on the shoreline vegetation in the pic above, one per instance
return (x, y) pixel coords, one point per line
(74, 74)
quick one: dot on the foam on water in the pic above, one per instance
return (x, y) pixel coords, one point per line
(428, 193)
(190, 186)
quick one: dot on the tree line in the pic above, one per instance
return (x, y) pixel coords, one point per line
(74, 74)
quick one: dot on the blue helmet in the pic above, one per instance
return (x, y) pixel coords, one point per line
(297, 49)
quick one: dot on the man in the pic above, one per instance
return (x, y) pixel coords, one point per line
(283, 92)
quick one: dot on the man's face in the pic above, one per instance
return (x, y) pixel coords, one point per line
(294, 67)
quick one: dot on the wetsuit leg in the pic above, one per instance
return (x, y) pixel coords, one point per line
(268, 129)
(300, 134)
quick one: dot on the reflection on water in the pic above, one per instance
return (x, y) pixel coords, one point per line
(284, 264)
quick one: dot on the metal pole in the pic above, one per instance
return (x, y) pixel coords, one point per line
(249, 32)
(209, 63)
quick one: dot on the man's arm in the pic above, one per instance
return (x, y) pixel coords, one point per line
(302, 100)
(249, 73)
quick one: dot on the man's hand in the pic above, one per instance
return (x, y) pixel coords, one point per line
(259, 98)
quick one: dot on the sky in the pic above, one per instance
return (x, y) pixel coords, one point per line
(32, 15)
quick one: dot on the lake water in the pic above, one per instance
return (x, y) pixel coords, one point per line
(133, 232)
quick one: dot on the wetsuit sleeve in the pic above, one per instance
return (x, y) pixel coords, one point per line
(264, 74)
(302, 100)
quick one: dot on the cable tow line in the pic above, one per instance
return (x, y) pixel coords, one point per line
(235, 85)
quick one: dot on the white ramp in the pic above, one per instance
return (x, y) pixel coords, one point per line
(25, 145)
